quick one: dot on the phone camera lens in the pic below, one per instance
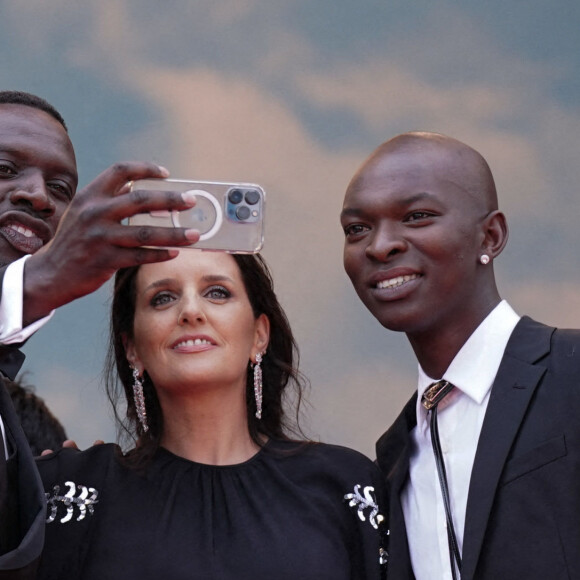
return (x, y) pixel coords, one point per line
(235, 196)
(252, 197)
(243, 212)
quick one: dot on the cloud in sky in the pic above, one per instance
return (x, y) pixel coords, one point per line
(295, 96)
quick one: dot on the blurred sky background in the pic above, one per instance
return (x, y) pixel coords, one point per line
(294, 94)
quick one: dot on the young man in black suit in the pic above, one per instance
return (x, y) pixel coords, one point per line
(55, 246)
(486, 483)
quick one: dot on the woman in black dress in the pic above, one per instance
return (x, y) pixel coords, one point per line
(213, 487)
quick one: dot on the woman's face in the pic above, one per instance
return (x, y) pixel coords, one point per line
(194, 327)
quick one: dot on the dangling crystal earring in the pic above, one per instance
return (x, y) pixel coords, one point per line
(258, 385)
(139, 398)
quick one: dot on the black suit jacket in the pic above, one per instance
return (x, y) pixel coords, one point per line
(523, 506)
(22, 505)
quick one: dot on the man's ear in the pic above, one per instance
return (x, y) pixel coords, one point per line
(496, 233)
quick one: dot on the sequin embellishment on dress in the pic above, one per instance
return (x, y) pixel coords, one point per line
(364, 502)
(85, 501)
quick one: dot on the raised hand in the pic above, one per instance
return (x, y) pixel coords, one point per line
(90, 243)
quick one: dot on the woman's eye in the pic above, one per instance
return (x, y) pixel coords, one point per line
(218, 293)
(161, 299)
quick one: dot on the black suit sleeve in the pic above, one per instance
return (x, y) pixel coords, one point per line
(22, 503)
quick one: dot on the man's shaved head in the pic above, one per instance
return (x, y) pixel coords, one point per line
(464, 166)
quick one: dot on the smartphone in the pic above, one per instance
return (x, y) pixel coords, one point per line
(229, 216)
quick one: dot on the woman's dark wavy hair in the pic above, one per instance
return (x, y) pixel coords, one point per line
(279, 366)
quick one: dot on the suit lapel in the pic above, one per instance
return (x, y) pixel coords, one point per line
(393, 450)
(513, 388)
(11, 359)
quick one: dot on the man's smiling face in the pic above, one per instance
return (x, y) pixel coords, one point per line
(38, 179)
(413, 239)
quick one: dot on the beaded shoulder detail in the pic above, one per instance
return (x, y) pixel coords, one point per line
(78, 499)
(367, 507)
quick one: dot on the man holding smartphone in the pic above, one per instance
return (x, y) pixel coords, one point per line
(56, 246)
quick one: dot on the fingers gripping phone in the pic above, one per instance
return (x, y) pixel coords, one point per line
(229, 216)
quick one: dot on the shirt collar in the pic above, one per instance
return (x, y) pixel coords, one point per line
(475, 366)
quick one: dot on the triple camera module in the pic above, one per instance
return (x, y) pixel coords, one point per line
(242, 205)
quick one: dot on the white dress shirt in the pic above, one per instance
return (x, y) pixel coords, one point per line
(11, 308)
(460, 417)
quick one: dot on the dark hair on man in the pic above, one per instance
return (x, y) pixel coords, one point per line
(279, 365)
(30, 100)
(41, 428)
